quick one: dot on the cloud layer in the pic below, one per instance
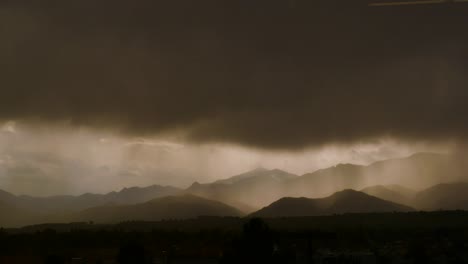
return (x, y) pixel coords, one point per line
(269, 74)
(54, 160)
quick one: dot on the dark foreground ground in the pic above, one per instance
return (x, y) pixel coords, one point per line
(437, 237)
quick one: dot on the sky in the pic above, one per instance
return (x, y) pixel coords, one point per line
(98, 95)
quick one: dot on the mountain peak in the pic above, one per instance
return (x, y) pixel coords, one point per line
(256, 173)
(349, 194)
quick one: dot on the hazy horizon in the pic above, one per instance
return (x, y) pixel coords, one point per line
(64, 160)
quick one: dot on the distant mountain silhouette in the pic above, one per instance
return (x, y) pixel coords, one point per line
(247, 191)
(416, 171)
(393, 193)
(447, 196)
(68, 203)
(170, 207)
(257, 175)
(255, 189)
(347, 201)
(258, 188)
(135, 194)
(7, 197)
(402, 190)
(11, 216)
(326, 181)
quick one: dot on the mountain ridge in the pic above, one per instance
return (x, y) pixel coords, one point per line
(346, 201)
(253, 190)
(169, 207)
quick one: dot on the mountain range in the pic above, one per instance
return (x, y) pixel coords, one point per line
(422, 181)
(66, 203)
(247, 191)
(253, 190)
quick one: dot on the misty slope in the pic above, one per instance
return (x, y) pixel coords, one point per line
(261, 187)
(347, 201)
(256, 175)
(449, 196)
(57, 204)
(417, 171)
(393, 193)
(7, 197)
(11, 216)
(170, 207)
(249, 190)
(408, 192)
(420, 170)
(326, 181)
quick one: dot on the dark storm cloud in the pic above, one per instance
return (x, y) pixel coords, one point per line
(271, 74)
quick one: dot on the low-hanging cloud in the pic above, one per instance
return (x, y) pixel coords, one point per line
(43, 161)
(268, 74)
